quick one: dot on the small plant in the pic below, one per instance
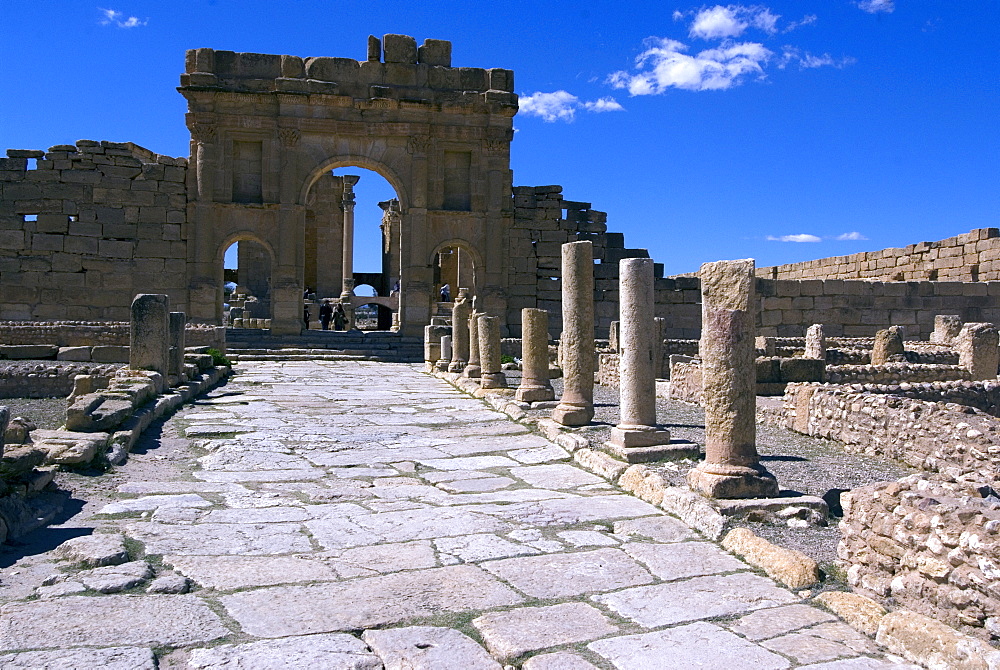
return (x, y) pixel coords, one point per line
(507, 359)
(218, 358)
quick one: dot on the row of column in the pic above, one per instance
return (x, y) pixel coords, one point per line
(731, 468)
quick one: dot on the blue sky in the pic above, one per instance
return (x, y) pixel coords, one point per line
(783, 131)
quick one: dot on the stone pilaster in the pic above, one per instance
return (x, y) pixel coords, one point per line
(731, 468)
(576, 407)
(348, 250)
(535, 385)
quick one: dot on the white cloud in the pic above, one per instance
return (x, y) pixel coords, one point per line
(807, 20)
(876, 6)
(806, 60)
(800, 237)
(562, 105)
(664, 65)
(723, 22)
(854, 235)
(116, 18)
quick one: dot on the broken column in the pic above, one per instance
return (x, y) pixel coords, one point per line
(576, 407)
(978, 352)
(888, 346)
(491, 376)
(636, 374)
(535, 385)
(432, 345)
(149, 334)
(731, 468)
(613, 336)
(473, 370)
(460, 331)
(659, 328)
(177, 322)
(815, 342)
(441, 365)
(946, 328)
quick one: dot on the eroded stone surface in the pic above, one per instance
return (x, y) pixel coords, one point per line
(682, 559)
(764, 624)
(428, 648)
(335, 651)
(561, 575)
(513, 633)
(111, 658)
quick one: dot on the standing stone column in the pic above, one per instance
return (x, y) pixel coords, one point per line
(613, 336)
(443, 362)
(149, 335)
(946, 328)
(347, 205)
(432, 345)
(659, 328)
(489, 353)
(978, 351)
(535, 385)
(576, 407)
(731, 468)
(177, 337)
(473, 369)
(888, 346)
(636, 375)
(460, 331)
(816, 342)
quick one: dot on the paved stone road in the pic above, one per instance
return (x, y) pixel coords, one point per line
(363, 515)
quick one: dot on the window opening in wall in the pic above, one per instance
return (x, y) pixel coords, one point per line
(31, 217)
(73, 217)
(32, 163)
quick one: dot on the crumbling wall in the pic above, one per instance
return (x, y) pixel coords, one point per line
(970, 257)
(894, 373)
(93, 334)
(85, 227)
(46, 380)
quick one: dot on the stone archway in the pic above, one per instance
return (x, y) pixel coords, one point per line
(255, 259)
(266, 128)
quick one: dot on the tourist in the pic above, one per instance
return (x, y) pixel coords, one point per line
(305, 315)
(325, 314)
(339, 317)
(446, 293)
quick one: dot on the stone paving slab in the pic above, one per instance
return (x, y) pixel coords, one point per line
(226, 573)
(112, 620)
(570, 574)
(428, 648)
(516, 632)
(331, 651)
(110, 658)
(366, 603)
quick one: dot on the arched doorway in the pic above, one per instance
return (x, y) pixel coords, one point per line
(245, 264)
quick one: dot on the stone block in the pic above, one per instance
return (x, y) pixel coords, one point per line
(109, 354)
(399, 49)
(801, 369)
(73, 354)
(28, 351)
(435, 52)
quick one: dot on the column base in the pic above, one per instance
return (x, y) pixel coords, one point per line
(472, 371)
(729, 481)
(493, 380)
(534, 393)
(573, 415)
(643, 444)
(441, 366)
(456, 366)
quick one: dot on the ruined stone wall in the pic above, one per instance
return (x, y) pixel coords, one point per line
(46, 380)
(90, 334)
(686, 381)
(88, 226)
(894, 373)
(929, 544)
(973, 256)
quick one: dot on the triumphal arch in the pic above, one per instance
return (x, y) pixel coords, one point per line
(267, 130)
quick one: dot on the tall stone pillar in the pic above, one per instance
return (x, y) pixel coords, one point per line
(149, 334)
(473, 370)
(460, 314)
(492, 377)
(177, 336)
(659, 329)
(348, 254)
(978, 351)
(576, 407)
(816, 342)
(637, 437)
(731, 468)
(535, 385)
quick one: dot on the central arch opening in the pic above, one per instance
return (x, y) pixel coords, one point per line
(352, 243)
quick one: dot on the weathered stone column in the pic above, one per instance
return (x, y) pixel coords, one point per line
(978, 351)
(576, 407)
(149, 335)
(888, 343)
(442, 363)
(636, 375)
(4, 422)
(535, 385)
(489, 353)
(946, 328)
(473, 369)
(460, 331)
(613, 340)
(816, 342)
(432, 345)
(731, 468)
(177, 337)
(347, 205)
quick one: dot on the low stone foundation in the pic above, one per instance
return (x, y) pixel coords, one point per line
(47, 380)
(97, 333)
(931, 545)
(894, 373)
